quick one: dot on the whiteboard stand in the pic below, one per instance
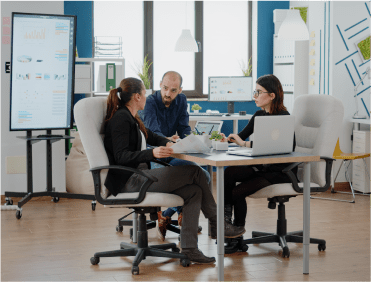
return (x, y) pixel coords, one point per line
(50, 190)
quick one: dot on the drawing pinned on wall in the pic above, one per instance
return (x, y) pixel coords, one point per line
(5, 39)
(312, 52)
(312, 43)
(6, 30)
(311, 82)
(6, 20)
(312, 72)
(363, 48)
(312, 62)
(312, 34)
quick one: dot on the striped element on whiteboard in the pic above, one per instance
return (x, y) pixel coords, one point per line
(355, 24)
(350, 75)
(342, 38)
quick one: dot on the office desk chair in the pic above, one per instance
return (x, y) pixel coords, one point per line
(89, 116)
(318, 120)
(347, 159)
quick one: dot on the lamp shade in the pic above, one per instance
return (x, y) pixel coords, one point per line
(293, 27)
(186, 43)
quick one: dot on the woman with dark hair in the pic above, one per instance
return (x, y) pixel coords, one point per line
(269, 97)
(125, 143)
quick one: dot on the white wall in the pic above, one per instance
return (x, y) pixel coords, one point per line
(12, 146)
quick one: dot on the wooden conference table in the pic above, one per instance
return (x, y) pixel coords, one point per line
(220, 159)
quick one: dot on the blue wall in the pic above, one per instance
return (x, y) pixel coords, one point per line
(84, 32)
(265, 34)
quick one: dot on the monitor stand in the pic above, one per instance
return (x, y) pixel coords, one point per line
(230, 107)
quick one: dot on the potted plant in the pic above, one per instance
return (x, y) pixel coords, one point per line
(246, 71)
(143, 72)
(196, 108)
(215, 141)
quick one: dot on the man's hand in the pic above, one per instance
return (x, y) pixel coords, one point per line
(162, 152)
(173, 138)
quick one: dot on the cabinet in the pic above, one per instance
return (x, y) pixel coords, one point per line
(361, 144)
(90, 74)
(290, 65)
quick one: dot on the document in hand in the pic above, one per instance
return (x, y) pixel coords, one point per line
(190, 144)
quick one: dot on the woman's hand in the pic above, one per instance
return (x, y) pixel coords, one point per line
(236, 139)
(224, 138)
(162, 152)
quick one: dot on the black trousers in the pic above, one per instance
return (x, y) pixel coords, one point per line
(252, 179)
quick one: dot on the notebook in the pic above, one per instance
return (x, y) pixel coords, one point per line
(273, 135)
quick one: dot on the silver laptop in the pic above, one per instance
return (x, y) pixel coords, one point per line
(273, 135)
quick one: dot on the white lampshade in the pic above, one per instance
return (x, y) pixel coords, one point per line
(186, 43)
(293, 27)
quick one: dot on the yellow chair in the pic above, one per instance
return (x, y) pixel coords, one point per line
(346, 158)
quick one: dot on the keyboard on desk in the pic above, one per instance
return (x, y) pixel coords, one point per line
(206, 114)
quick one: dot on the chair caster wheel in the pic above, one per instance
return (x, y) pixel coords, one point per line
(285, 252)
(55, 199)
(244, 248)
(93, 205)
(185, 262)
(18, 214)
(175, 250)
(9, 202)
(321, 247)
(119, 228)
(199, 229)
(94, 260)
(135, 270)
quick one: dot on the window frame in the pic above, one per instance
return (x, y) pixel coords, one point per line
(199, 10)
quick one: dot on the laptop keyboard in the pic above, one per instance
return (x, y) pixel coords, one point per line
(206, 114)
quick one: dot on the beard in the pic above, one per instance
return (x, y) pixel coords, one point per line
(167, 102)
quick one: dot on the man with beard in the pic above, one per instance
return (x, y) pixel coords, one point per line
(166, 114)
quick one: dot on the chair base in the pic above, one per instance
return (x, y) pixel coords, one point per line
(142, 250)
(281, 236)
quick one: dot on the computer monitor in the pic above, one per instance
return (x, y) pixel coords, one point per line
(230, 89)
(42, 71)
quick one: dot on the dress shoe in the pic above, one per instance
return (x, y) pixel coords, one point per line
(196, 256)
(161, 225)
(230, 231)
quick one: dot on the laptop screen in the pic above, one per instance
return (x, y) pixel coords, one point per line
(208, 126)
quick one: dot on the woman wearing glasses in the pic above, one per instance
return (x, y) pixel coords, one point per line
(269, 97)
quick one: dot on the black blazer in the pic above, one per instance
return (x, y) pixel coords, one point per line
(122, 142)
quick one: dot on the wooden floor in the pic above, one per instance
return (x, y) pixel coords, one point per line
(54, 242)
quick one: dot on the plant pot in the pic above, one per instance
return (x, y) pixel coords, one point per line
(221, 146)
(195, 111)
(148, 92)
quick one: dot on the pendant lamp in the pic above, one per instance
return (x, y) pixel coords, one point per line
(293, 27)
(186, 42)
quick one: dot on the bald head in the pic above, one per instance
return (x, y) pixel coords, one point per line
(173, 75)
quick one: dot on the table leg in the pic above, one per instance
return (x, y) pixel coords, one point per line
(306, 218)
(210, 170)
(235, 126)
(220, 215)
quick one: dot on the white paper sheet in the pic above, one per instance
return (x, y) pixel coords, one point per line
(190, 144)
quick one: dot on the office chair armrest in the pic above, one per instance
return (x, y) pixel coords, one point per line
(294, 180)
(161, 162)
(142, 191)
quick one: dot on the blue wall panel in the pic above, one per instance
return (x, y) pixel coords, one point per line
(84, 31)
(265, 34)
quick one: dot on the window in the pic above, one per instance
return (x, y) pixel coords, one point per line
(223, 29)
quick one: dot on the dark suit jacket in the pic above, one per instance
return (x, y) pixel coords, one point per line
(123, 143)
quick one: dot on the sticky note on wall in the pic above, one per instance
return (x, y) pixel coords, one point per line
(312, 52)
(311, 82)
(312, 43)
(312, 62)
(312, 34)
(312, 72)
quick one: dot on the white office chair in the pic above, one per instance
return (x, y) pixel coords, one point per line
(318, 120)
(89, 116)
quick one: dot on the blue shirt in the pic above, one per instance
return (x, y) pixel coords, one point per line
(167, 121)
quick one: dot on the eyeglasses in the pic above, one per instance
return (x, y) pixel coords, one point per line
(256, 93)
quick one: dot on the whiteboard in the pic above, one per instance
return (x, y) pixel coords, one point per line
(42, 71)
(230, 88)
